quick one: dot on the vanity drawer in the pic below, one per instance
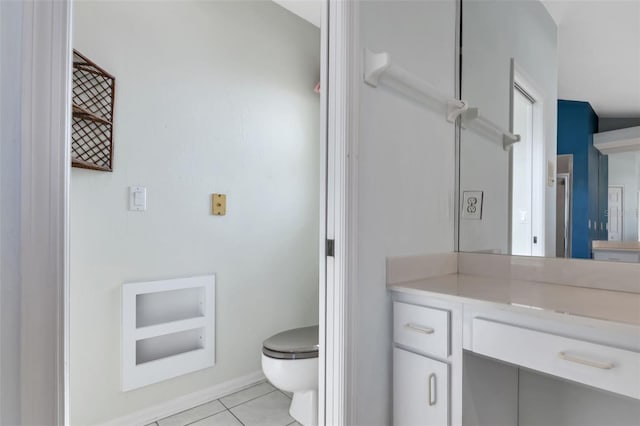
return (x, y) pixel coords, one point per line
(616, 256)
(421, 328)
(600, 366)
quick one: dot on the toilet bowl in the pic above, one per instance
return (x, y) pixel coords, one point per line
(290, 363)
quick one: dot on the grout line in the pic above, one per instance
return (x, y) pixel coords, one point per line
(190, 423)
(223, 404)
(242, 390)
(236, 417)
(249, 400)
(206, 417)
(282, 392)
(228, 408)
(191, 408)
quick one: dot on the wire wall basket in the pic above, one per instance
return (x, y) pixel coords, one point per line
(92, 119)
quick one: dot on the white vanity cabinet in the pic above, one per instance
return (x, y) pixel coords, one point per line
(421, 365)
(602, 366)
(458, 360)
(420, 390)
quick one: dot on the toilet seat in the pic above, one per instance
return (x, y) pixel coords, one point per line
(298, 343)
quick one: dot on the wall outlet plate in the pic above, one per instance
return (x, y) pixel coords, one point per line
(218, 204)
(472, 205)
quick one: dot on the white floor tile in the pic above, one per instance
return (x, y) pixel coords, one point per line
(269, 410)
(193, 414)
(221, 419)
(247, 394)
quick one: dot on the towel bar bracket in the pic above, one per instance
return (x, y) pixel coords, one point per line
(455, 108)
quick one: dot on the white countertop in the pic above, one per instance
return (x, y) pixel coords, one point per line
(616, 245)
(608, 305)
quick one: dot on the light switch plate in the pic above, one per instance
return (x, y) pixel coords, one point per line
(551, 173)
(472, 205)
(137, 198)
(218, 204)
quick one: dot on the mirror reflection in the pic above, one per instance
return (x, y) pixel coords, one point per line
(565, 77)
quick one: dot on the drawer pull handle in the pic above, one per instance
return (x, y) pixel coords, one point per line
(595, 364)
(432, 389)
(419, 328)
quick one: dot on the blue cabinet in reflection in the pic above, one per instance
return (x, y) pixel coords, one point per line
(577, 123)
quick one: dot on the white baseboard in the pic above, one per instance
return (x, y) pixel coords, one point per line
(167, 408)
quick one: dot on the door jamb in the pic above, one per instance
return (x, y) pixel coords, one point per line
(45, 207)
(343, 71)
(46, 124)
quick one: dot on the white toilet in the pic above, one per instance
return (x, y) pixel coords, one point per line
(290, 362)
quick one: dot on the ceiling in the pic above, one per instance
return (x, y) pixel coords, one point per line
(599, 54)
(309, 10)
(599, 50)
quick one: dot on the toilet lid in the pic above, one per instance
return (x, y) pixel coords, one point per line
(298, 343)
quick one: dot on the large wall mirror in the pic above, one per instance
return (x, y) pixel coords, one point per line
(557, 85)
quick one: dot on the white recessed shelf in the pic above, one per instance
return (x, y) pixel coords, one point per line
(167, 306)
(168, 345)
(167, 329)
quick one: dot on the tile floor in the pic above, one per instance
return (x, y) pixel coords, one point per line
(260, 404)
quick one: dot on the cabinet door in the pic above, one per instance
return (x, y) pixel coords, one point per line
(420, 390)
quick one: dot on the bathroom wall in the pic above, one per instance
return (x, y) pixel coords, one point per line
(494, 32)
(406, 184)
(10, 159)
(211, 97)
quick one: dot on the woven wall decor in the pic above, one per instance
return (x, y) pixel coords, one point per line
(92, 125)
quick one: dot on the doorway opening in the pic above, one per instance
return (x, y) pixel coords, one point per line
(527, 173)
(564, 205)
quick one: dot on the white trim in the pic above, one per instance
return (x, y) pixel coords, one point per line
(10, 195)
(531, 90)
(339, 43)
(182, 403)
(621, 140)
(46, 112)
(344, 77)
(200, 324)
(323, 282)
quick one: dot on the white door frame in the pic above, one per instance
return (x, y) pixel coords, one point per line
(46, 123)
(532, 89)
(336, 305)
(45, 210)
(622, 188)
(567, 211)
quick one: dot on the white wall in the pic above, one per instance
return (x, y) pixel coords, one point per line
(493, 33)
(624, 170)
(211, 97)
(406, 178)
(10, 158)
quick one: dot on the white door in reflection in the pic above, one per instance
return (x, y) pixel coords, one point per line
(615, 216)
(527, 206)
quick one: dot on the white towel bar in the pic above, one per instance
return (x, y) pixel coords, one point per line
(378, 67)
